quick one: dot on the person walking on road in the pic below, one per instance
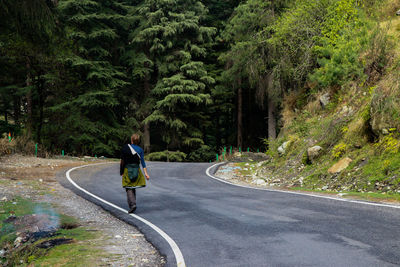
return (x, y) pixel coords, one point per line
(132, 156)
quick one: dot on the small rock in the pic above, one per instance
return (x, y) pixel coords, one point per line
(4, 199)
(324, 99)
(118, 236)
(314, 152)
(2, 252)
(325, 187)
(385, 131)
(41, 180)
(17, 241)
(282, 148)
(340, 166)
(398, 13)
(261, 163)
(260, 182)
(247, 164)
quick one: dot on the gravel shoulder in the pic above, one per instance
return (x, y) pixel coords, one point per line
(35, 179)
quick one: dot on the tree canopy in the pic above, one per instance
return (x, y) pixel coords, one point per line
(191, 76)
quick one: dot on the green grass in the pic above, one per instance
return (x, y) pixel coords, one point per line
(81, 252)
(243, 166)
(383, 167)
(375, 197)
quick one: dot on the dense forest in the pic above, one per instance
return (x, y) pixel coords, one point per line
(191, 76)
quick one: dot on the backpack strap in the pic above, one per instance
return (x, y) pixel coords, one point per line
(133, 151)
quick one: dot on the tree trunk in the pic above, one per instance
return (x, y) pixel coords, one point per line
(239, 114)
(41, 109)
(17, 110)
(218, 133)
(271, 119)
(146, 127)
(146, 137)
(28, 99)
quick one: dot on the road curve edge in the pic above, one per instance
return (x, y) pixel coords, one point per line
(297, 193)
(180, 261)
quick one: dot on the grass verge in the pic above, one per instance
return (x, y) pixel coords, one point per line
(79, 250)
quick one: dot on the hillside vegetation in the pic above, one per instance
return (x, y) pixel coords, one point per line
(347, 113)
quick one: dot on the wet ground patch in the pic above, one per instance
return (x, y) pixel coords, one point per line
(35, 233)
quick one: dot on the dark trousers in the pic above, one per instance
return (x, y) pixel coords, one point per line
(131, 194)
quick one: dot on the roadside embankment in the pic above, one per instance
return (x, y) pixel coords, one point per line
(244, 169)
(44, 224)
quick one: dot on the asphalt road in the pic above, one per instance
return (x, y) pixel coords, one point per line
(216, 224)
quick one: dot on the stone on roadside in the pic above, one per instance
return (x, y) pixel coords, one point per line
(18, 241)
(282, 148)
(261, 163)
(340, 165)
(314, 152)
(260, 182)
(398, 13)
(324, 99)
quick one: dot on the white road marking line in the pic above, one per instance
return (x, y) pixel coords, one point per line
(180, 262)
(298, 193)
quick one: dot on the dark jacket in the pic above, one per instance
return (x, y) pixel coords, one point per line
(128, 158)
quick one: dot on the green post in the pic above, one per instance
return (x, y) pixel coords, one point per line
(223, 156)
(248, 149)
(9, 137)
(217, 157)
(35, 150)
(62, 153)
(230, 152)
(240, 150)
(258, 150)
(95, 156)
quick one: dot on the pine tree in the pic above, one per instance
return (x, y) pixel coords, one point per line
(27, 29)
(249, 18)
(84, 111)
(170, 42)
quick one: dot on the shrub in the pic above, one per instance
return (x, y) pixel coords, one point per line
(339, 150)
(202, 154)
(166, 156)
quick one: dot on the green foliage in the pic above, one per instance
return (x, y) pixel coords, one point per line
(167, 156)
(202, 154)
(82, 75)
(171, 42)
(383, 172)
(339, 150)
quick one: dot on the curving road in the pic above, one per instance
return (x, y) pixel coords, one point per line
(216, 224)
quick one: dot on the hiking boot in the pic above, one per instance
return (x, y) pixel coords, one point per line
(132, 210)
